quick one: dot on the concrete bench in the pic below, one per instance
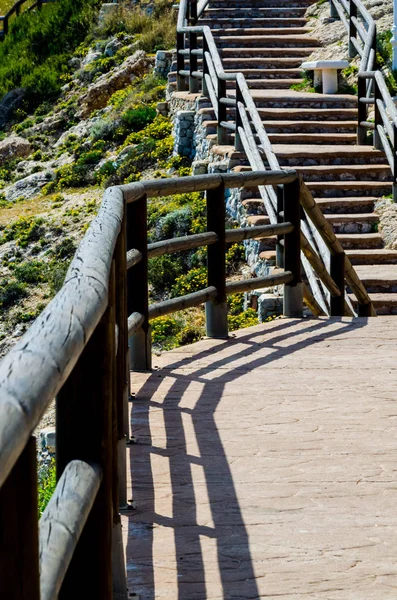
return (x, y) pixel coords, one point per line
(326, 73)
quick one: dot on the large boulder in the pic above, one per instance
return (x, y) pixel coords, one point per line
(30, 186)
(9, 103)
(105, 86)
(14, 147)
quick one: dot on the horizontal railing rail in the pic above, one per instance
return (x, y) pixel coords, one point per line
(373, 92)
(236, 114)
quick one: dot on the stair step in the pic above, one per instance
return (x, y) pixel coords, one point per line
(261, 32)
(250, 62)
(384, 303)
(265, 41)
(382, 256)
(269, 255)
(266, 53)
(346, 172)
(258, 220)
(307, 115)
(292, 99)
(378, 278)
(255, 11)
(265, 22)
(344, 205)
(354, 188)
(313, 138)
(268, 84)
(357, 223)
(307, 155)
(268, 74)
(252, 5)
(351, 241)
(310, 126)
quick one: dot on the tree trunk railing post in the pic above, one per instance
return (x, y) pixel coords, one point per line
(222, 136)
(180, 62)
(394, 146)
(334, 12)
(378, 119)
(362, 111)
(122, 382)
(19, 529)
(237, 139)
(84, 431)
(205, 68)
(279, 245)
(137, 285)
(216, 310)
(352, 28)
(193, 81)
(293, 291)
(337, 303)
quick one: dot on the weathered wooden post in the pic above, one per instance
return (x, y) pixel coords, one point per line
(222, 112)
(377, 117)
(239, 123)
(180, 62)
(137, 285)
(362, 110)
(193, 82)
(122, 361)
(334, 12)
(280, 219)
(293, 291)
(19, 538)
(206, 72)
(216, 310)
(337, 303)
(352, 28)
(84, 414)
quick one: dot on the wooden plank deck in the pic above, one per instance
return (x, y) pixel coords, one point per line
(267, 466)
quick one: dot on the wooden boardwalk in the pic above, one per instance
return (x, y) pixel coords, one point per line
(267, 466)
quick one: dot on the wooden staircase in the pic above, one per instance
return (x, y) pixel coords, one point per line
(312, 133)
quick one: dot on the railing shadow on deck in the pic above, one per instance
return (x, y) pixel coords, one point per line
(236, 569)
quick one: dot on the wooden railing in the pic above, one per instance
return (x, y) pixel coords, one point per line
(237, 114)
(372, 88)
(77, 352)
(16, 10)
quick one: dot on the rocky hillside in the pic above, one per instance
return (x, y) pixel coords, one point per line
(333, 34)
(106, 127)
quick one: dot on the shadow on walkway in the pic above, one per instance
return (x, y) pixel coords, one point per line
(207, 372)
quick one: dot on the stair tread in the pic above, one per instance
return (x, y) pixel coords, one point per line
(264, 31)
(370, 274)
(341, 168)
(352, 218)
(308, 151)
(351, 184)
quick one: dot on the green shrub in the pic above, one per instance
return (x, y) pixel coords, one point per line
(37, 48)
(193, 281)
(247, 318)
(32, 272)
(46, 485)
(23, 231)
(138, 118)
(163, 271)
(154, 31)
(11, 292)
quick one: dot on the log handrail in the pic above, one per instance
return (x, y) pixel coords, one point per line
(250, 136)
(372, 87)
